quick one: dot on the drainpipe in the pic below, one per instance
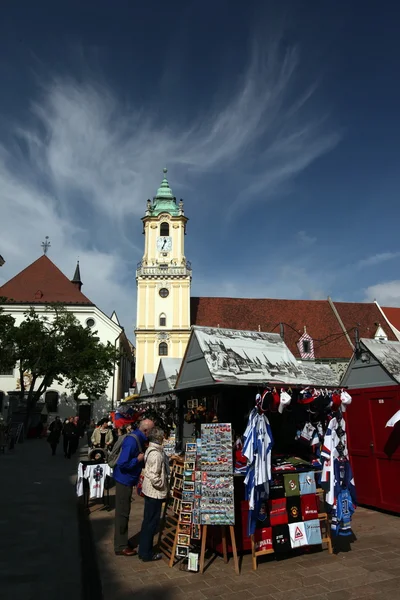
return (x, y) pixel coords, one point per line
(115, 368)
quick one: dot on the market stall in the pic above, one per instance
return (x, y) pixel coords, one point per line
(373, 379)
(251, 381)
(146, 389)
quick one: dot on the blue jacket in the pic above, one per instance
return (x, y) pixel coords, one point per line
(128, 468)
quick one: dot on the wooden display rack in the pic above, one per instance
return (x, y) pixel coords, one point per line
(325, 534)
(168, 536)
(224, 546)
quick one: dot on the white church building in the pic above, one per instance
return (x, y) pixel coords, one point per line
(40, 284)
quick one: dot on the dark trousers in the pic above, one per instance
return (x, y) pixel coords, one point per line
(74, 443)
(53, 447)
(67, 446)
(123, 498)
(151, 520)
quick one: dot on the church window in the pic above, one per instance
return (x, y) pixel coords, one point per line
(90, 322)
(164, 229)
(163, 320)
(306, 346)
(163, 349)
(164, 293)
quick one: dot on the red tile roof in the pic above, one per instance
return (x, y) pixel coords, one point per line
(42, 283)
(266, 314)
(317, 315)
(393, 316)
(365, 316)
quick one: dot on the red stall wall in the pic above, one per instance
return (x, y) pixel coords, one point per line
(375, 449)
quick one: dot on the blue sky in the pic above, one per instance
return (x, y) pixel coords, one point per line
(279, 128)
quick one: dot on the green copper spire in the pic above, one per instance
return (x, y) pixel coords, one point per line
(164, 201)
(164, 191)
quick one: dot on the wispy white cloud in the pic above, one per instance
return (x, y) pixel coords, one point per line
(377, 259)
(90, 161)
(386, 293)
(305, 238)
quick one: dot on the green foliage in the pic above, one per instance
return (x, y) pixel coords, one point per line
(7, 356)
(55, 347)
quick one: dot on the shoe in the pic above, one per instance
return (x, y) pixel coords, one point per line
(126, 552)
(154, 557)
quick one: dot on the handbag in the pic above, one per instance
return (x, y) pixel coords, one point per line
(139, 486)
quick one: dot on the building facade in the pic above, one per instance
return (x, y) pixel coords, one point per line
(40, 285)
(163, 284)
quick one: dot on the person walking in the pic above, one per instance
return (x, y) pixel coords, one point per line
(53, 438)
(126, 475)
(155, 490)
(76, 434)
(70, 435)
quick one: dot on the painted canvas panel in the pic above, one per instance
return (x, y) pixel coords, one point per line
(234, 355)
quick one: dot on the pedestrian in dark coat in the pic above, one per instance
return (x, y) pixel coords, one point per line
(54, 436)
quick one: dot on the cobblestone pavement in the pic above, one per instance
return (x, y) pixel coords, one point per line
(370, 571)
(40, 550)
(39, 539)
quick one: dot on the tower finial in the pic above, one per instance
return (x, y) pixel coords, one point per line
(46, 245)
(165, 170)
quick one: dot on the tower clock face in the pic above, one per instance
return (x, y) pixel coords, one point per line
(164, 244)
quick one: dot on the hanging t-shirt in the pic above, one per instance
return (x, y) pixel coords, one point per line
(293, 509)
(297, 535)
(313, 532)
(307, 483)
(309, 507)
(292, 487)
(281, 538)
(277, 512)
(277, 488)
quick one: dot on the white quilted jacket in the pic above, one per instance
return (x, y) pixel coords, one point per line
(156, 472)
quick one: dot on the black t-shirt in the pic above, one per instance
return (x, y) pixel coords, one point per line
(281, 538)
(293, 506)
(103, 439)
(277, 488)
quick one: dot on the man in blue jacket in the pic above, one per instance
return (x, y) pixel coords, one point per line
(126, 475)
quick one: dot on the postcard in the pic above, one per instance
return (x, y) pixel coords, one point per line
(182, 551)
(183, 539)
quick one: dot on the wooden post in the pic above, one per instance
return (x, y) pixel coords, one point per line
(234, 549)
(203, 547)
(224, 549)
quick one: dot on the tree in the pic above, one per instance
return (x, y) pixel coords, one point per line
(7, 357)
(56, 348)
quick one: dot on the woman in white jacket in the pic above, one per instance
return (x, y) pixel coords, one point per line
(155, 490)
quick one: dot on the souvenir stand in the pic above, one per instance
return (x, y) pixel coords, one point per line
(278, 506)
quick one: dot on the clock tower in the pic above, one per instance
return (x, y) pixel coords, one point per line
(163, 280)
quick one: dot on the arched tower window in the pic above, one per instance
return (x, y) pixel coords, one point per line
(164, 229)
(163, 349)
(163, 320)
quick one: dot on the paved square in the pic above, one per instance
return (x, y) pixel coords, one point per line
(371, 570)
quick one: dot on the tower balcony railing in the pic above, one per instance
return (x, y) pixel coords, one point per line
(159, 270)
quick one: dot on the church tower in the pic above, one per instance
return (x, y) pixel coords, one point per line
(163, 280)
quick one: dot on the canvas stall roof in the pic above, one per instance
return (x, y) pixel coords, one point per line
(167, 374)
(147, 384)
(387, 353)
(229, 356)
